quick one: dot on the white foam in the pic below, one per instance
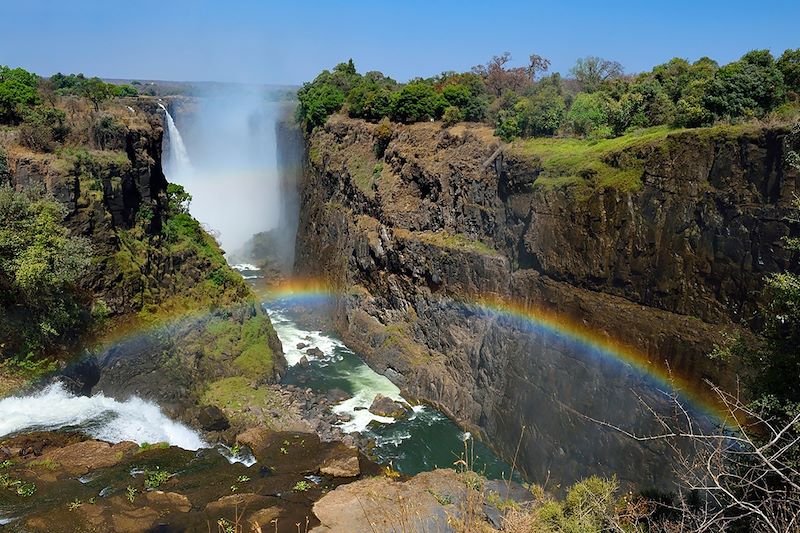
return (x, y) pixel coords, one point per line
(102, 418)
(291, 335)
(244, 266)
(366, 382)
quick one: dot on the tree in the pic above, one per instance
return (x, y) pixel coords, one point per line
(97, 91)
(592, 71)
(789, 65)
(43, 128)
(417, 101)
(40, 265)
(498, 78)
(751, 86)
(537, 65)
(588, 114)
(18, 92)
(540, 114)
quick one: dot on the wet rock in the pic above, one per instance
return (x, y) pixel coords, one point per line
(227, 505)
(172, 500)
(88, 455)
(301, 345)
(385, 406)
(338, 395)
(304, 362)
(254, 438)
(263, 519)
(315, 352)
(211, 418)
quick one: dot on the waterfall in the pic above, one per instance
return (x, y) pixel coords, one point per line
(103, 418)
(178, 166)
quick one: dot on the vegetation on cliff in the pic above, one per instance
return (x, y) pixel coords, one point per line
(40, 265)
(92, 237)
(597, 101)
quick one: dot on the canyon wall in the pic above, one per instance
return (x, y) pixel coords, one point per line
(170, 318)
(415, 225)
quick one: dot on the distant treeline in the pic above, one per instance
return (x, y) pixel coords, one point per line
(597, 100)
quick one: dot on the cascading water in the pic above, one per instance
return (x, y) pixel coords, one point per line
(178, 166)
(103, 418)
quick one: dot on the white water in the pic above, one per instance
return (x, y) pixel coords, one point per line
(102, 418)
(365, 382)
(178, 166)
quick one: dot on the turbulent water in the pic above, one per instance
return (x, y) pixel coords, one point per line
(424, 440)
(103, 418)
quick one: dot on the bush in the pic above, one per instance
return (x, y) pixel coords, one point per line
(587, 114)
(452, 116)
(108, 134)
(43, 128)
(749, 87)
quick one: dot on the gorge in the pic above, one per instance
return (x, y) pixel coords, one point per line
(367, 308)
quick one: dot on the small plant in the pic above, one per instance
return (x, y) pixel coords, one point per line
(390, 472)
(443, 499)
(74, 504)
(284, 451)
(6, 464)
(130, 493)
(26, 489)
(225, 526)
(302, 486)
(155, 478)
(236, 450)
(234, 488)
(242, 479)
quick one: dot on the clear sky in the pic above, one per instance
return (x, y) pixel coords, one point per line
(289, 42)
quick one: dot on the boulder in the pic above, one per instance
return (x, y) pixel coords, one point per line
(211, 418)
(342, 462)
(89, 455)
(385, 406)
(338, 395)
(301, 345)
(304, 362)
(172, 500)
(315, 352)
(229, 504)
(254, 438)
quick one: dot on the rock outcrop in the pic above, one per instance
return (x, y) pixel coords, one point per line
(419, 238)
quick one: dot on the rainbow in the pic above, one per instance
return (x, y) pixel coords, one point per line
(547, 321)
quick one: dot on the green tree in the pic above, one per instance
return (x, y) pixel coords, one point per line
(370, 98)
(588, 114)
(97, 91)
(417, 101)
(541, 114)
(125, 90)
(751, 86)
(18, 92)
(789, 65)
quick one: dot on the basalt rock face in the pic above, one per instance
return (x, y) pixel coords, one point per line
(445, 218)
(152, 263)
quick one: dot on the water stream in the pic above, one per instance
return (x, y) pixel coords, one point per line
(424, 440)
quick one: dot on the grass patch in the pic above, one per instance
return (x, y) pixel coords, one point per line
(443, 239)
(255, 360)
(616, 163)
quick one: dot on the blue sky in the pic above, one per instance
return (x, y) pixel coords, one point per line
(270, 42)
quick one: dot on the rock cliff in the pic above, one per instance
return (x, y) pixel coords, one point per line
(171, 318)
(660, 243)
